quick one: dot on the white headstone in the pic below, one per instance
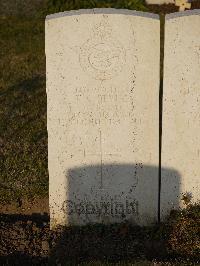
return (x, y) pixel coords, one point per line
(182, 4)
(103, 95)
(181, 110)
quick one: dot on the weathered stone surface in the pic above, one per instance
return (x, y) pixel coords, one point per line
(181, 110)
(182, 4)
(103, 96)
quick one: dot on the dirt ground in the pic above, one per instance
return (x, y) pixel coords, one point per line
(27, 240)
(26, 207)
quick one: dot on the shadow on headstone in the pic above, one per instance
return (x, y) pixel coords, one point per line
(108, 193)
(111, 200)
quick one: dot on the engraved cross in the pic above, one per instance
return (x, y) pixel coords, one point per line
(101, 154)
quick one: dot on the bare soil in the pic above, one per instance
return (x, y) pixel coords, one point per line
(27, 240)
(26, 207)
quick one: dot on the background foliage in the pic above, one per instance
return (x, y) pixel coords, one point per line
(62, 5)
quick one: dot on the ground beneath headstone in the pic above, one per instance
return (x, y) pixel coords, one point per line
(27, 240)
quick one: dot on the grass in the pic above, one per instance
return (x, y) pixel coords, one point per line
(23, 135)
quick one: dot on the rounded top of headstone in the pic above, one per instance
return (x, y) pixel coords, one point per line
(102, 11)
(183, 14)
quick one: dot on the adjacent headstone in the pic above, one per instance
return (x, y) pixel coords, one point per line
(182, 4)
(103, 120)
(181, 110)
